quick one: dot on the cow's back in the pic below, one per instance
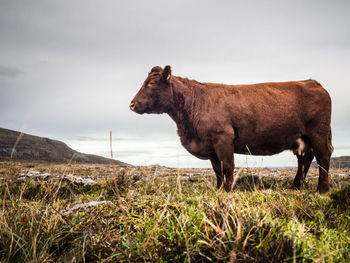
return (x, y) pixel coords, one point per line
(268, 117)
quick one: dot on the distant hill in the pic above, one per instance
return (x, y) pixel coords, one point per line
(34, 148)
(340, 162)
(336, 162)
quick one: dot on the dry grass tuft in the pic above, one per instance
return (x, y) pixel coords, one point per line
(166, 215)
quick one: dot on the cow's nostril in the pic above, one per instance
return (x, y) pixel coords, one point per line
(132, 105)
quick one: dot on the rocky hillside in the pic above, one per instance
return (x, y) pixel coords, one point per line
(336, 162)
(34, 148)
(340, 162)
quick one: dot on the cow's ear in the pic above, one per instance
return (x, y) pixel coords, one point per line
(166, 73)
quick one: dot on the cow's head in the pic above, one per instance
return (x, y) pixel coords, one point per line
(155, 93)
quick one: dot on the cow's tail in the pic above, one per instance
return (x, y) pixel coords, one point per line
(330, 146)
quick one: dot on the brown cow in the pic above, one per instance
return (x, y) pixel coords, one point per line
(216, 120)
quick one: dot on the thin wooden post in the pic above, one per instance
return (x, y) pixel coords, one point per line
(110, 142)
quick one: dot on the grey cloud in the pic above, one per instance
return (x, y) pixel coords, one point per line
(342, 147)
(121, 154)
(85, 60)
(174, 156)
(105, 138)
(10, 71)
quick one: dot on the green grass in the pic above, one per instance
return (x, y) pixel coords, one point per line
(170, 218)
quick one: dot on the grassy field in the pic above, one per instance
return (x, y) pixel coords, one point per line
(154, 214)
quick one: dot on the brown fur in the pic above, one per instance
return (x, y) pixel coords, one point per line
(216, 120)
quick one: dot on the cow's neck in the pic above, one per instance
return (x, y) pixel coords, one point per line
(185, 106)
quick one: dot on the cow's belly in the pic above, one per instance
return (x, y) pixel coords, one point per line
(265, 145)
(201, 149)
(258, 151)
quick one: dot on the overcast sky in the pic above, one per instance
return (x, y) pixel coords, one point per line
(69, 69)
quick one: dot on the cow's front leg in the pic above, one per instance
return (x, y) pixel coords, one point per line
(224, 151)
(217, 169)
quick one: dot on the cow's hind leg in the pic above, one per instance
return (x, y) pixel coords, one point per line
(322, 151)
(304, 163)
(323, 159)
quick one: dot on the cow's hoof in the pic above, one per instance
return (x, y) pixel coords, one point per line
(228, 188)
(295, 186)
(323, 189)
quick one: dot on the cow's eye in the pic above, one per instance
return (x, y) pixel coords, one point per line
(150, 84)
